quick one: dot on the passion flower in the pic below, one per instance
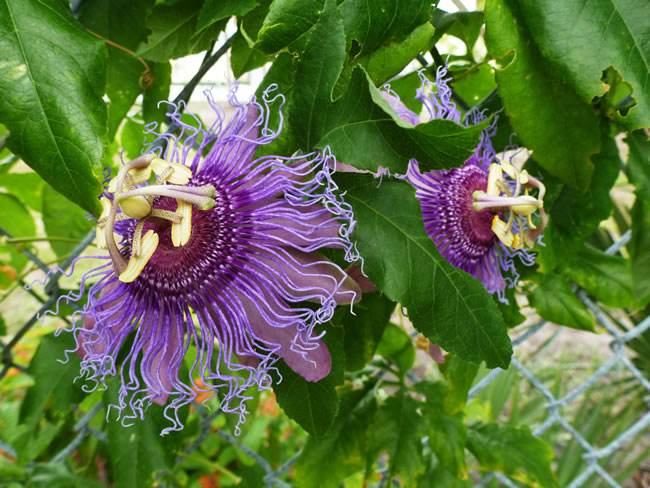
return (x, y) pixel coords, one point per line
(215, 251)
(480, 215)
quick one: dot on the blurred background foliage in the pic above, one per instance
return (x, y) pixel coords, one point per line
(80, 82)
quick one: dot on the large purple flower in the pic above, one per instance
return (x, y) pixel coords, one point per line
(217, 251)
(480, 214)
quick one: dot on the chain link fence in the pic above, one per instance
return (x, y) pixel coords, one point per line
(554, 405)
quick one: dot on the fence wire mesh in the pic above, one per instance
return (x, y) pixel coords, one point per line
(554, 405)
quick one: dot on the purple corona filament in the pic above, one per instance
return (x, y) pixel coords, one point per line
(478, 215)
(215, 250)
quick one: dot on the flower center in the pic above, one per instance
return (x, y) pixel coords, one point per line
(156, 195)
(503, 196)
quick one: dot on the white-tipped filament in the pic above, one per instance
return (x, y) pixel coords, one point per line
(504, 196)
(134, 197)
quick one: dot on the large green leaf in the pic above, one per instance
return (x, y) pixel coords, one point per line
(389, 60)
(53, 382)
(397, 430)
(575, 215)
(364, 328)
(174, 32)
(52, 81)
(122, 22)
(583, 41)
(365, 132)
(286, 21)
(316, 73)
(639, 173)
(534, 96)
(554, 300)
(214, 10)
(514, 451)
(460, 375)
(62, 219)
(325, 462)
(446, 304)
(136, 450)
(313, 405)
(372, 24)
(608, 278)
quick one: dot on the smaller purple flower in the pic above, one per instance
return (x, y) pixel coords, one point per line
(478, 215)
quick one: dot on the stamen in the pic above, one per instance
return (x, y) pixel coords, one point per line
(101, 222)
(179, 174)
(137, 206)
(182, 231)
(136, 244)
(202, 202)
(137, 263)
(166, 215)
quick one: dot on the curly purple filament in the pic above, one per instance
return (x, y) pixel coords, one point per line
(237, 292)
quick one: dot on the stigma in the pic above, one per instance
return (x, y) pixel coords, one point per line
(133, 193)
(515, 198)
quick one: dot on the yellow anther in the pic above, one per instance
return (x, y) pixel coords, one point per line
(137, 263)
(100, 236)
(112, 185)
(136, 206)
(494, 176)
(136, 176)
(523, 177)
(509, 169)
(502, 231)
(528, 206)
(180, 174)
(182, 230)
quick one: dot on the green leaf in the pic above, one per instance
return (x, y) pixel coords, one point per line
(286, 21)
(396, 345)
(464, 25)
(639, 172)
(397, 430)
(53, 382)
(316, 74)
(61, 89)
(460, 375)
(555, 301)
(243, 55)
(18, 222)
(27, 187)
(364, 329)
(514, 451)
(608, 278)
(174, 33)
(326, 461)
(446, 304)
(373, 24)
(152, 111)
(137, 451)
(313, 405)
(214, 10)
(581, 43)
(534, 94)
(575, 215)
(365, 132)
(62, 218)
(390, 59)
(3, 326)
(122, 22)
(447, 432)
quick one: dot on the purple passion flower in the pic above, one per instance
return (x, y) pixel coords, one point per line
(214, 251)
(478, 215)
